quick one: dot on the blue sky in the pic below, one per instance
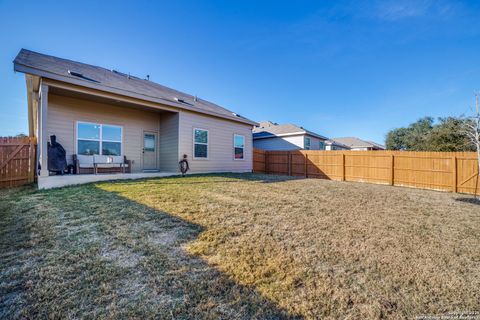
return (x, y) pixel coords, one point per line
(340, 68)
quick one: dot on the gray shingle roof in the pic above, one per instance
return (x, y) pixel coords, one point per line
(69, 71)
(270, 129)
(354, 142)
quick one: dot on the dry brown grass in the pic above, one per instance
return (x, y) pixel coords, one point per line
(238, 246)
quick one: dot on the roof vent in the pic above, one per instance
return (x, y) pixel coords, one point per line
(79, 75)
(75, 74)
(182, 101)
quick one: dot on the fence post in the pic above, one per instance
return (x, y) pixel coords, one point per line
(289, 155)
(31, 164)
(343, 166)
(392, 175)
(454, 176)
(306, 167)
(266, 162)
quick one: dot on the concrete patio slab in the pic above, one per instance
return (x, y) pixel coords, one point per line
(67, 180)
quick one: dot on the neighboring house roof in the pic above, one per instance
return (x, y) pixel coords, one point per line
(354, 142)
(268, 129)
(336, 143)
(114, 81)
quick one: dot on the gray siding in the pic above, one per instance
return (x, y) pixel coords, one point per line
(315, 144)
(175, 134)
(169, 155)
(220, 144)
(286, 143)
(64, 112)
(280, 143)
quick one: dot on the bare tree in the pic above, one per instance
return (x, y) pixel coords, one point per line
(472, 126)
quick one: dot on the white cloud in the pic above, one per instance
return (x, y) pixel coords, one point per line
(393, 10)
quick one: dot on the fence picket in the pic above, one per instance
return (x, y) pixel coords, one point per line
(17, 161)
(447, 171)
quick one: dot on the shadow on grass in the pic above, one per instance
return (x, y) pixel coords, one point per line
(86, 252)
(471, 200)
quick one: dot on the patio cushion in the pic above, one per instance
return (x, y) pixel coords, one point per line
(118, 159)
(109, 161)
(85, 161)
(102, 159)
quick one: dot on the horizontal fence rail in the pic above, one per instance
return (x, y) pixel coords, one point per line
(446, 171)
(17, 161)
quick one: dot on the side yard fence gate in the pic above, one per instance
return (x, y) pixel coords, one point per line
(17, 161)
(446, 171)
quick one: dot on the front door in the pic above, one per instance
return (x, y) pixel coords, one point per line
(150, 150)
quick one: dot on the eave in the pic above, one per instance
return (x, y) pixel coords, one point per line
(290, 134)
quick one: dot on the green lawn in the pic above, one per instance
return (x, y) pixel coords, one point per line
(237, 247)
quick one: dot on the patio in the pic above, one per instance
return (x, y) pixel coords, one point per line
(48, 182)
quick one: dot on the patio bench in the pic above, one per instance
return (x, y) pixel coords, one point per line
(97, 163)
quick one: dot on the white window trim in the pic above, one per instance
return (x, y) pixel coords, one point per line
(100, 140)
(305, 145)
(207, 144)
(234, 136)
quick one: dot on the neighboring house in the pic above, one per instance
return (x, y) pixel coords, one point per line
(93, 110)
(273, 136)
(359, 144)
(335, 145)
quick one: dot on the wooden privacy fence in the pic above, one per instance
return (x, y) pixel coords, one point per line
(447, 171)
(17, 161)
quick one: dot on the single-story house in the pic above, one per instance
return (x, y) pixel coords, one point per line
(335, 145)
(94, 111)
(359, 144)
(272, 136)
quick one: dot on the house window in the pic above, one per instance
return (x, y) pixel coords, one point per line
(238, 146)
(149, 142)
(111, 140)
(321, 145)
(104, 139)
(200, 146)
(307, 143)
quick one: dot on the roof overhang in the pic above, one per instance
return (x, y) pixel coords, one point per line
(279, 135)
(316, 136)
(48, 75)
(334, 143)
(367, 146)
(290, 134)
